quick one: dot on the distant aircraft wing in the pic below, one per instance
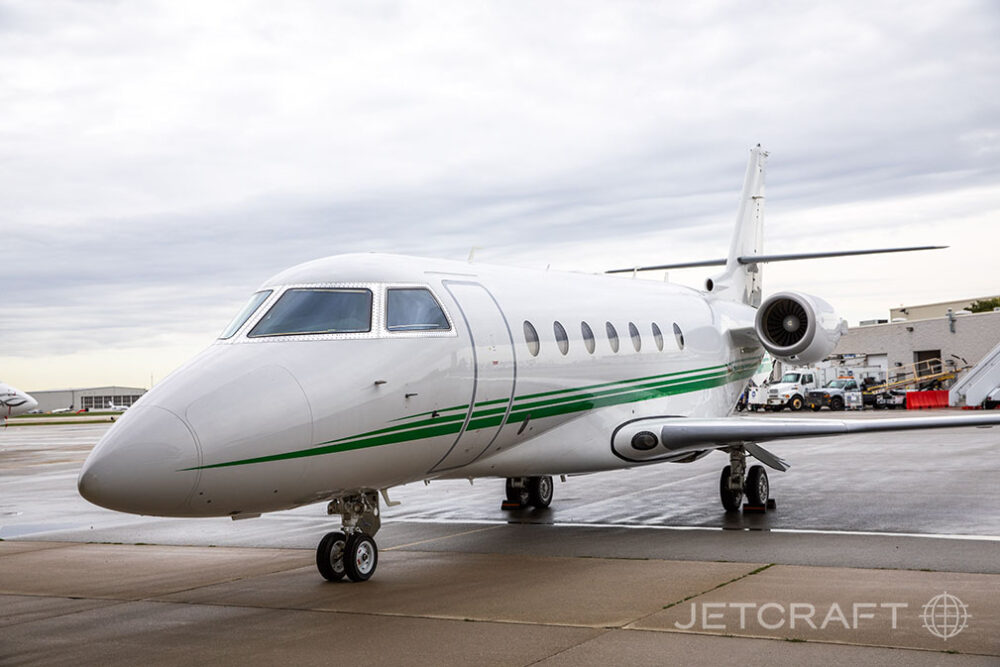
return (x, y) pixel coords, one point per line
(681, 435)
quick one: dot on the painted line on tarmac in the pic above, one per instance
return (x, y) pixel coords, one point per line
(442, 537)
(634, 526)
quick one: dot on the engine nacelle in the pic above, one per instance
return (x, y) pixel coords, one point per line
(798, 328)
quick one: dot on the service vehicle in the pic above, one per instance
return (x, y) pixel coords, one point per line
(790, 392)
(838, 394)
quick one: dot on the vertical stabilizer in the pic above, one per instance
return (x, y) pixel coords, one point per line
(742, 282)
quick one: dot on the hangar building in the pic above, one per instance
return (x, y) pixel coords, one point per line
(928, 311)
(957, 339)
(93, 398)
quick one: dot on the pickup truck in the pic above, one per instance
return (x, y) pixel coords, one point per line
(836, 395)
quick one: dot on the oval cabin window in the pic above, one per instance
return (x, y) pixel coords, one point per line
(531, 338)
(588, 337)
(612, 336)
(658, 337)
(633, 332)
(562, 340)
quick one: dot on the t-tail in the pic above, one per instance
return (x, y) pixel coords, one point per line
(740, 281)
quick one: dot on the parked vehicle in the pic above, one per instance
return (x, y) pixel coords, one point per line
(790, 392)
(890, 400)
(837, 395)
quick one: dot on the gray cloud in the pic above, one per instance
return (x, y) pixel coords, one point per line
(159, 160)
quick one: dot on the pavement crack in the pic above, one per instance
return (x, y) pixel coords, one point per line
(631, 624)
(718, 586)
(570, 648)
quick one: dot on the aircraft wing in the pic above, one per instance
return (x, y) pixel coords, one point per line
(680, 435)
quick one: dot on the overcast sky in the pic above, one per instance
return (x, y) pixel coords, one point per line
(159, 160)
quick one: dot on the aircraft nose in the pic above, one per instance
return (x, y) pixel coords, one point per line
(142, 464)
(32, 404)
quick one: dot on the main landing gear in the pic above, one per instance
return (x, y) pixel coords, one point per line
(529, 491)
(736, 482)
(351, 551)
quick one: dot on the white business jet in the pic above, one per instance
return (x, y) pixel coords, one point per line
(14, 402)
(346, 376)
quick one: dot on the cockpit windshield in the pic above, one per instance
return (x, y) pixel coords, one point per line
(248, 310)
(317, 311)
(414, 309)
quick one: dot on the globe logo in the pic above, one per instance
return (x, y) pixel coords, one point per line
(945, 616)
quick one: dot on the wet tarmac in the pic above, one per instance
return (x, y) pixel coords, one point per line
(924, 504)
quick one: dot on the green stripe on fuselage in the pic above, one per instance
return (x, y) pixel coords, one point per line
(571, 401)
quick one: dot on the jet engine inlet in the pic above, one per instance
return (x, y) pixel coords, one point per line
(786, 322)
(798, 328)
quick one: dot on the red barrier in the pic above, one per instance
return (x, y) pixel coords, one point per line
(918, 400)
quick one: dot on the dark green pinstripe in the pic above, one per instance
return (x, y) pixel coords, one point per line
(537, 406)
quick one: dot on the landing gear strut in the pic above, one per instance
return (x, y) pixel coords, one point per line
(731, 482)
(351, 551)
(737, 481)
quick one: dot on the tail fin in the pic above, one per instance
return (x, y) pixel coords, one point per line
(741, 280)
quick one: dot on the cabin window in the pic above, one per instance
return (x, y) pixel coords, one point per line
(317, 311)
(531, 338)
(588, 337)
(633, 331)
(679, 335)
(414, 309)
(248, 310)
(612, 336)
(658, 337)
(562, 340)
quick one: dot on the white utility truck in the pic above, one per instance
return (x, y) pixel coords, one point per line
(789, 392)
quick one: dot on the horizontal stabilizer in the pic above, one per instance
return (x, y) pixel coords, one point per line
(763, 259)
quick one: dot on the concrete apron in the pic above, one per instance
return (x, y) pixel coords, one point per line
(894, 608)
(586, 593)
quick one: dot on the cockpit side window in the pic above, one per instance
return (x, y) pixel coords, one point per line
(414, 309)
(248, 310)
(317, 310)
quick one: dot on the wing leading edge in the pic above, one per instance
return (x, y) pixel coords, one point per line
(681, 435)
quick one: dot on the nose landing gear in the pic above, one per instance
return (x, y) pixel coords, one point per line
(352, 551)
(330, 556)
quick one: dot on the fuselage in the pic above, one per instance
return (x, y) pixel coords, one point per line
(523, 373)
(14, 401)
